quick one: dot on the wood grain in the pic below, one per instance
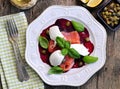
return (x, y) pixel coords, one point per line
(109, 76)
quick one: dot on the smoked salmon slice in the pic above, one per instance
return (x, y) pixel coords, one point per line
(73, 37)
(67, 64)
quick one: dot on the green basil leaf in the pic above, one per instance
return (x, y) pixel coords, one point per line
(60, 41)
(67, 44)
(43, 42)
(55, 70)
(64, 51)
(78, 26)
(90, 59)
(73, 53)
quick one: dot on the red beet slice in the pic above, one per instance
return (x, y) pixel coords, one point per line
(89, 46)
(64, 25)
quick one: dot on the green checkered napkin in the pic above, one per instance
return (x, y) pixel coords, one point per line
(2, 75)
(8, 59)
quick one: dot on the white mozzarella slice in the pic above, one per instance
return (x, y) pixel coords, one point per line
(56, 58)
(80, 48)
(54, 32)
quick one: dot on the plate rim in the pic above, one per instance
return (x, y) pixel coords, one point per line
(41, 74)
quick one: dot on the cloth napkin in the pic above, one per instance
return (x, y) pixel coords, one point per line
(8, 69)
(3, 78)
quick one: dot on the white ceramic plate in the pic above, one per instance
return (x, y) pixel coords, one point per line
(76, 76)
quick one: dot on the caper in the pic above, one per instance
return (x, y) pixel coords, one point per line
(114, 13)
(104, 16)
(106, 13)
(43, 51)
(115, 18)
(47, 32)
(105, 8)
(80, 63)
(118, 8)
(68, 23)
(112, 5)
(118, 13)
(117, 5)
(115, 9)
(110, 13)
(108, 22)
(87, 39)
(103, 13)
(116, 22)
(111, 18)
(112, 24)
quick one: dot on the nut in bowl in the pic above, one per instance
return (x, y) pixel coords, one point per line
(53, 42)
(110, 15)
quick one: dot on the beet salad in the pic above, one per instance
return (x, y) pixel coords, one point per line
(65, 45)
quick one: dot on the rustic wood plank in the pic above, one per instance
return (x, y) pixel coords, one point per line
(109, 77)
(42, 5)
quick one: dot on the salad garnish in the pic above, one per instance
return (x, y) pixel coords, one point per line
(43, 42)
(78, 26)
(55, 70)
(66, 45)
(90, 59)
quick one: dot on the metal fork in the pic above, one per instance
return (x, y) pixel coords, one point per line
(12, 33)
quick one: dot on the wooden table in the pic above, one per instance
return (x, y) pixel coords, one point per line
(109, 76)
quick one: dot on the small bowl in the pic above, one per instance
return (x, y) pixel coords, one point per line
(99, 13)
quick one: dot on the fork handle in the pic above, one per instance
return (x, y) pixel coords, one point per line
(22, 72)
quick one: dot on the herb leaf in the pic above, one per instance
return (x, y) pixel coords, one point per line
(43, 42)
(90, 59)
(55, 70)
(67, 44)
(73, 53)
(64, 51)
(77, 26)
(60, 41)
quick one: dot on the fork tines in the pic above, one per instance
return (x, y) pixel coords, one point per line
(12, 30)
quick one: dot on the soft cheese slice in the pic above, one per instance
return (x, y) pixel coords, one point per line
(80, 48)
(56, 58)
(54, 32)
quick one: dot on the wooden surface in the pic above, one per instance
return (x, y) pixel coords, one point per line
(109, 76)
